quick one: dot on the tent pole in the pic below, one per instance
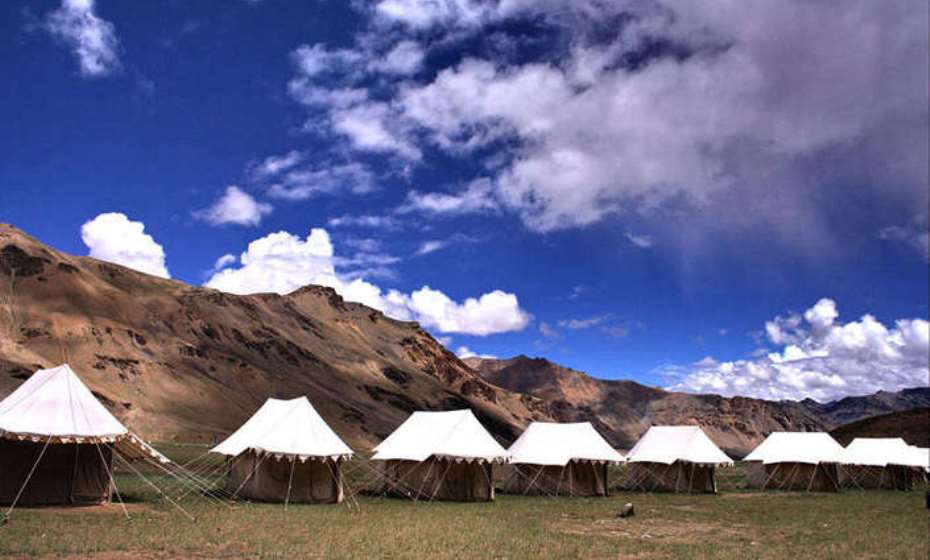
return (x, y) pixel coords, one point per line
(429, 471)
(290, 483)
(6, 516)
(813, 474)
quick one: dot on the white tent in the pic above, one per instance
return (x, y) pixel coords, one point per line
(877, 452)
(920, 457)
(455, 434)
(674, 458)
(795, 461)
(548, 443)
(554, 458)
(57, 442)
(441, 455)
(797, 447)
(880, 463)
(285, 452)
(54, 405)
(668, 444)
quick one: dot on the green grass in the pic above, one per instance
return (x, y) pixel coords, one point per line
(734, 524)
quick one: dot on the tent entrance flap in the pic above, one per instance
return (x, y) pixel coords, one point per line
(67, 474)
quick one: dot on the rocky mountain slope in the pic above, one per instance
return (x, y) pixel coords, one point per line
(180, 362)
(622, 410)
(912, 425)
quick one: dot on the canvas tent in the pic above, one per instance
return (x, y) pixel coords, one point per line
(440, 456)
(285, 453)
(57, 443)
(674, 459)
(795, 461)
(880, 463)
(555, 459)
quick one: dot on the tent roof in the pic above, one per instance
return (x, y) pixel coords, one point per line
(879, 452)
(455, 434)
(286, 427)
(920, 456)
(797, 447)
(54, 405)
(667, 444)
(547, 443)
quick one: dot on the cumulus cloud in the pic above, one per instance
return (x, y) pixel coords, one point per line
(282, 262)
(92, 39)
(115, 238)
(235, 207)
(686, 107)
(822, 358)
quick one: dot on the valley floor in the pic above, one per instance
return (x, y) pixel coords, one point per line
(734, 524)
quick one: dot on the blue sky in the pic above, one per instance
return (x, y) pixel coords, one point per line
(726, 198)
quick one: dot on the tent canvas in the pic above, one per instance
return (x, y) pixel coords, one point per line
(442, 456)
(888, 463)
(795, 461)
(285, 452)
(550, 458)
(675, 459)
(57, 442)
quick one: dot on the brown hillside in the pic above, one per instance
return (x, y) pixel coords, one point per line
(181, 362)
(912, 425)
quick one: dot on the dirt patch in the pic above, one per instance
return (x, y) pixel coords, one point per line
(663, 530)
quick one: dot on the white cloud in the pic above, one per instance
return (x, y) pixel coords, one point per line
(281, 262)
(547, 331)
(93, 40)
(430, 246)
(235, 207)
(690, 107)
(306, 182)
(405, 58)
(641, 241)
(914, 235)
(476, 198)
(581, 324)
(273, 165)
(113, 237)
(822, 359)
(364, 221)
(464, 352)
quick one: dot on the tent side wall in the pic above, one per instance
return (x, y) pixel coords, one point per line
(577, 478)
(266, 479)
(822, 477)
(680, 476)
(892, 477)
(67, 474)
(440, 479)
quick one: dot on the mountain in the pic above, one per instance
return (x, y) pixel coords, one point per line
(912, 425)
(179, 362)
(622, 410)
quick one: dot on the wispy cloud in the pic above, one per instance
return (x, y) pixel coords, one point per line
(92, 39)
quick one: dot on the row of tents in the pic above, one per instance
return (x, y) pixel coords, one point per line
(58, 445)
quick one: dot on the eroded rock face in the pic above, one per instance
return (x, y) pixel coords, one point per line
(180, 362)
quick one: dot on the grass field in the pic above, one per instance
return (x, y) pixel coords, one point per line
(735, 524)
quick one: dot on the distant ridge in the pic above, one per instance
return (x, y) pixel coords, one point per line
(623, 409)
